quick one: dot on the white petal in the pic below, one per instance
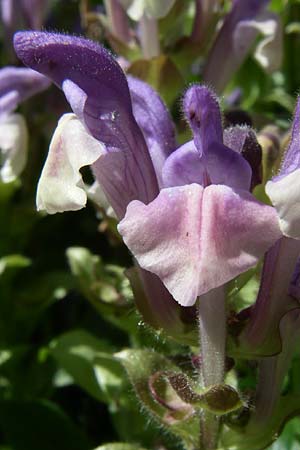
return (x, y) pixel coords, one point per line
(13, 147)
(61, 187)
(157, 9)
(95, 194)
(154, 9)
(269, 51)
(136, 9)
(285, 196)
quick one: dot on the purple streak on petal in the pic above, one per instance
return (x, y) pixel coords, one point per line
(17, 85)
(97, 90)
(294, 288)
(231, 46)
(291, 161)
(196, 239)
(221, 164)
(155, 122)
(242, 139)
(202, 110)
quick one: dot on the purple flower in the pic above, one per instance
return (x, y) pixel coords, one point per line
(16, 86)
(186, 214)
(30, 12)
(284, 188)
(19, 14)
(237, 35)
(280, 275)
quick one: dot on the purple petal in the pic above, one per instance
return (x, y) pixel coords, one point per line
(294, 288)
(155, 122)
(97, 90)
(272, 301)
(284, 189)
(242, 140)
(220, 165)
(7, 12)
(202, 110)
(225, 166)
(196, 239)
(184, 166)
(158, 308)
(17, 13)
(231, 46)
(291, 161)
(203, 17)
(34, 12)
(10, 17)
(17, 85)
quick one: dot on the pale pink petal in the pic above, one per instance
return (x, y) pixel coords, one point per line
(196, 238)
(61, 187)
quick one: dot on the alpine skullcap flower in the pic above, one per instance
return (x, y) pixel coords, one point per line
(186, 214)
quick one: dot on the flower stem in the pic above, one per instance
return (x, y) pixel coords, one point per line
(212, 332)
(149, 37)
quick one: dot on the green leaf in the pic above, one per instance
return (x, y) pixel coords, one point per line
(39, 425)
(90, 363)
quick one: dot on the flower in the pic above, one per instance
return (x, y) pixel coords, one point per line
(237, 35)
(186, 214)
(31, 12)
(16, 86)
(283, 189)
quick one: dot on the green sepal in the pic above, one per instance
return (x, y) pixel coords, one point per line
(160, 400)
(218, 399)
